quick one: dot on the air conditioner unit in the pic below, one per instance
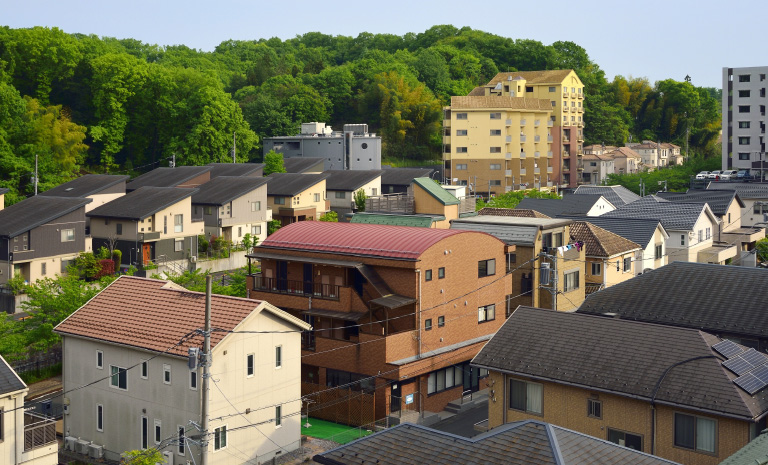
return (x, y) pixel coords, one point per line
(69, 443)
(193, 259)
(81, 446)
(544, 276)
(168, 457)
(95, 452)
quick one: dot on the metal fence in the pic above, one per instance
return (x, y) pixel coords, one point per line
(37, 362)
(38, 431)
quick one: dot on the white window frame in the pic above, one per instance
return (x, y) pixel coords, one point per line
(112, 376)
(157, 431)
(217, 438)
(278, 357)
(167, 369)
(100, 359)
(100, 417)
(250, 365)
(178, 223)
(178, 245)
(182, 440)
(278, 416)
(144, 373)
(68, 235)
(193, 375)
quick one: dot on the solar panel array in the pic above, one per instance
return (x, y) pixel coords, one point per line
(750, 366)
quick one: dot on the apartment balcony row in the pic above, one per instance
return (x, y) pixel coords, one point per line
(301, 288)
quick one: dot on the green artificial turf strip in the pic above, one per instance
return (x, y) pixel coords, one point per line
(336, 432)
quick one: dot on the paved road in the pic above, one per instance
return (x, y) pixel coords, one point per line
(463, 423)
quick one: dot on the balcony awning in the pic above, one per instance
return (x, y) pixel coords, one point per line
(347, 316)
(392, 301)
(296, 258)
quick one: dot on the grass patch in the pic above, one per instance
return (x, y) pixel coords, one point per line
(335, 432)
(408, 163)
(30, 377)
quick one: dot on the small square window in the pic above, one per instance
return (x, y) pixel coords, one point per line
(118, 378)
(486, 268)
(166, 374)
(178, 245)
(440, 321)
(594, 408)
(428, 275)
(441, 272)
(428, 324)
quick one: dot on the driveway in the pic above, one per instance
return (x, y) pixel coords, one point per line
(463, 423)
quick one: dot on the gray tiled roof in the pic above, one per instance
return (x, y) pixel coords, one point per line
(224, 189)
(349, 180)
(90, 184)
(35, 211)
(617, 195)
(713, 298)
(141, 203)
(302, 164)
(623, 357)
(235, 169)
(403, 176)
(568, 205)
(167, 177)
(290, 184)
(673, 216)
(529, 442)
(510, 229)
(9, 381)
(745, 190)
(636, 230)
(718, 200)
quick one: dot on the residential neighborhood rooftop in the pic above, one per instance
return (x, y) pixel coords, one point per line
(754, 453)
(516, 212)
(302, 164)
(529, 442)
(617, 195)
(35, 211)
(234, 169)
(141, 203)
(568, 205)
(553, 76)
(640, 231)
(672, 215)
(436, 191)
(89, 184)
(403, 176)
(718, 200)
(499, 101)
(9, 380)
(224, 189)
(599, 242)
(349, 180)
(511, 230)
(419, 221)
(167, 177)
(290, 184)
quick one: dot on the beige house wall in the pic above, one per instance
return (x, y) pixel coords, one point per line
(649, 260)
(154, 223)
(2, 201)
(371, 189)
(12, 445)
(100, 199)
(732, 218)
(304, 200)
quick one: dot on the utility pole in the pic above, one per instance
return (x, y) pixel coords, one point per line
(206, 372)
(173, 160)
(234, 147)
(35, 174)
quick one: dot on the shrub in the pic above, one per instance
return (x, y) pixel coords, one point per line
(330, 217)
(107, 268)
(117, 257)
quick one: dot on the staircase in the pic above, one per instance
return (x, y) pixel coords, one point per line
(374, 280)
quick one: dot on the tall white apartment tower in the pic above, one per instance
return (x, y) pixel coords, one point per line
(744, 119)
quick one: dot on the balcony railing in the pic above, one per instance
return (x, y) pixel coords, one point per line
(549, 138)
(537, 138)
(536, 122)
(197, 219)
(522, 171)
(508, 173)
(580, 94)
(522, 154)
(550, 123)
(549, 154)
(38, 431)
(508, 156)
(301, 288)
(536, 154)
(565, 94)
(509, 138)
(522, 138)
(392, 203)
(508, 122)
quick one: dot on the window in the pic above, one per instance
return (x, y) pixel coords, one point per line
(278, 356)
(461, 132)
(744, 140)
(99, 417)
(495, 166)
(529, 88)
(701, 235)
(632, 441)
(166, 374)
(428, 324)
(340, 195)
(144, 433)
(119, 378)
(208, 210)
(317, 197)
(594, 408)
(182, 438)
(158, 432)
(743, 108)
(571, 281)
(495, 132)
(495, 115)
(486, 268)
(597, 269)
(708, 232)
(119, 228)
(487, 313)
(67, 235)
(461, 150)
(278, 416)
(441, 272)
(178, 245)
(495, 149)
(428, 275)
(744, 93)
(525, 396)
(743, 124)
(494, 182)
(256, 206)
(178, 223)
(193, 380)
(279, 200)
(627, 264)
(682, 239)
(440, 321)
(695, 433)
(220, 438)
(743, 156)
(249, 366)
(659, 252)
(165, 225)
(256, 230)
(446, 378)
(551, 89)
(239, 231)
(461, 166)
(461, 116)
(744, 77)
(145, 369)
(99, 359)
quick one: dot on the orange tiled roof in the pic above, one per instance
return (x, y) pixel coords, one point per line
(496, 101)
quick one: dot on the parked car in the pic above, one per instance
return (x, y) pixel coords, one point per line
(728, 175)
(743, 175)
(703, 175)
(714, 174)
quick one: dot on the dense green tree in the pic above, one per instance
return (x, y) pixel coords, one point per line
(273, 163)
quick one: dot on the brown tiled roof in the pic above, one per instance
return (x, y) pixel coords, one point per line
(624, 152)
(553, 76)
(477, 91)
(599, 242)
(511, 212)
(153, 314)
(496, 101)
(593, 156)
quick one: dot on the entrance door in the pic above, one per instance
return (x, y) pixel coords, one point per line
(146, 253)
(397, 392)
(282, 275)
(308, 278)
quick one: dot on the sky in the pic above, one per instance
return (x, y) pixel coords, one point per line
(653, 39)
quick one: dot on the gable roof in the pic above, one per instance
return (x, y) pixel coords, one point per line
(224, 189)
(690, 295)
(553, 76)
(617, 195)
(745, 190)
(141, 203)
(372, 240)
(290, 184)
(516, 212)
(9, 380)
(529, 442)
(511, 230)
(754, 453)
(639, 231)
(302, 164)
(167, 177)
(624, 152)
(718, 200)
(90, 184)
(436, 191)
(499, 101)
(672, 215)
(568, 205)
(349, 180)
(599, 242)
(155, 315)
(395, 220)
(623, 357)
(235, 169)
(403, 176)
(35, 211)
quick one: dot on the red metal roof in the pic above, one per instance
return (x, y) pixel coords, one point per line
(358, 239)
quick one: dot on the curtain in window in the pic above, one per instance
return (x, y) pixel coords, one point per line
(705, 434)
(534, 398)
(684, 431)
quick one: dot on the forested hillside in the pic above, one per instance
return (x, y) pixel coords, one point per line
(90, 104)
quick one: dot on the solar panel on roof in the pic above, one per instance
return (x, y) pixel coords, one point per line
(749, 383)
(738, 365)
(754, 357)
(761, 373)
(728, 349)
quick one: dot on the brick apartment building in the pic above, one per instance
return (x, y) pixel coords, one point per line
(400, 304)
